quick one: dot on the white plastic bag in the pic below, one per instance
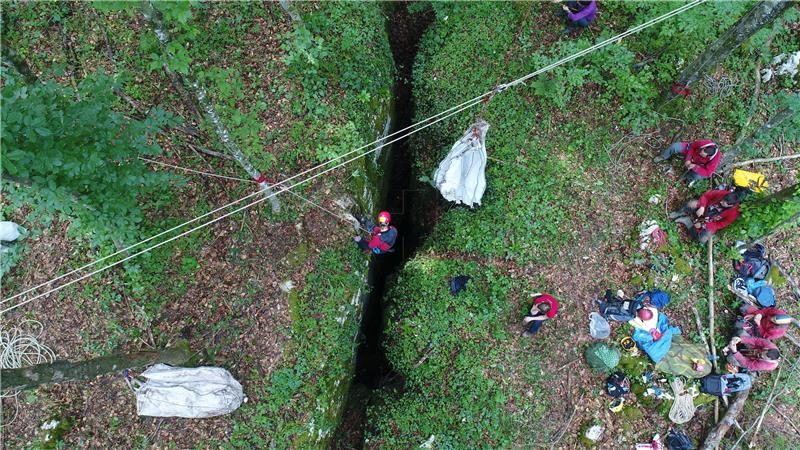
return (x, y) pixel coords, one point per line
(598, 326)
(9, 231)
(461, 176)
(187, 392)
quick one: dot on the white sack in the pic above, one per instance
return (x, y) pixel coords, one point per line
(461, 175)
(9, 231)
(188, 392)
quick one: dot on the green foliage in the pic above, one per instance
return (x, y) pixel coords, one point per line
(762, 215)
(79, 155)
(634, 366)
(300, 404)
(461, 390)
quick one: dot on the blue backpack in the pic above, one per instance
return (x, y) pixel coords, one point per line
(764, 295)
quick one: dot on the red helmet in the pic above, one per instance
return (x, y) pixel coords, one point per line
(384, 218)
(645, 314)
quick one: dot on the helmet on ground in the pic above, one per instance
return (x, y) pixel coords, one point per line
(645, 314)
(384, 218)
(782, 319)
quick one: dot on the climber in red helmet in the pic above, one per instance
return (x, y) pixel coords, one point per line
(383, 235)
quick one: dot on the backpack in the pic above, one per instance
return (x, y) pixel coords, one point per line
(764, 295)
(615, 308)
(602, 357)
(722, 385)
(677, 440)
(458, 283)
(617, 385)
(753, 264)
(750, 180)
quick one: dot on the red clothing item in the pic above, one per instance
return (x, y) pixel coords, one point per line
(768, 329)
(719, 221)
(704, 166)
(544, 298)
(752, 363)
(379, 239)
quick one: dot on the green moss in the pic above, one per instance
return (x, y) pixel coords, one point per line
(298, 256)
(775, 278)
(53, 436)
(682, 266)
(633, 366)
(630, 415)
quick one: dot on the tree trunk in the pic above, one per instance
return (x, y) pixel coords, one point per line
(222, 132)
(287, 7)
(714, 437)
(783, 195)
(762, 14)
(60, 371)
(775, 121)
(155, 19)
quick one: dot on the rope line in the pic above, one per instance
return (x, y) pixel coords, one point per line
(342, 218)
(449, 112)
(242, 208)
(186, 169)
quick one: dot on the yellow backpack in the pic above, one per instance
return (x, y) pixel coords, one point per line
(750, 180)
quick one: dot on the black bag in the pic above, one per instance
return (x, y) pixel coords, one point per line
(617, 385)
(677, 440)
(458, 283)
(753, 264)
(615, 308)
(721, 385)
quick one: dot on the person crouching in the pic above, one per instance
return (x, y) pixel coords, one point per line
(544, 308)
(713, 211)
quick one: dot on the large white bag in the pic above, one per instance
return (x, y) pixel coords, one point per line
(187, 392)
(461, 175)
(9, 231)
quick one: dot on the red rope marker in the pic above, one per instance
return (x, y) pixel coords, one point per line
(681, 89)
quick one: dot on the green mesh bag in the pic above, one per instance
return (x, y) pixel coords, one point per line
(602, 357)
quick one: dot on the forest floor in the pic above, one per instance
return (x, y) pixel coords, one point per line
(558, 157)
(221, 290)
(231, 290)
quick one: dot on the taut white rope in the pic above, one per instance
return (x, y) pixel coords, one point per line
(455, 109)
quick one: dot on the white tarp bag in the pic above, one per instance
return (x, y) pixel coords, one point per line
(9, 231)
(192, 393)
(461, 176)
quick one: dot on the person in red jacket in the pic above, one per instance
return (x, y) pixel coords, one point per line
(712, 212)
(767, 323)
(755, 354)
(701, 158)
(383, 235)
(544, 308)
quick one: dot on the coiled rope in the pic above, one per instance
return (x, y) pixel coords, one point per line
(20, 347)
(683, 408)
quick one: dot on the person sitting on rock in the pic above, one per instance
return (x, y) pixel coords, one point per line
(712, 212)
(579, 14)
(544, 308)
(767, 323)
(754, 354)
(383, 235)
(701, 158)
